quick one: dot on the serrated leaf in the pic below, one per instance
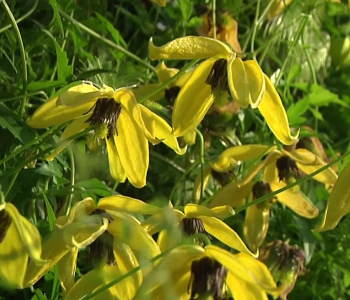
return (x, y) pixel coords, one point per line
(295, 111)
(94, 186)
(320, 96)
(57, 15)
(112, 30)
(49, 169)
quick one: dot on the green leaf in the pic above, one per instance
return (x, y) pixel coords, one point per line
(50, 213)
(112, 30)
(57, 15)
(186, 7)
(94, 186)
(44, 84)
(295, 111)
(49, 169)
(320, 96)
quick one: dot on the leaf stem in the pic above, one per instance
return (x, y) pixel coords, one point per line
(202, 161)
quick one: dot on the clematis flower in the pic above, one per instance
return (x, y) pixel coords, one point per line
(19, 241)
(204, 273)
(220, 76)
(107, 233)
(277, 8)
(338, 203)
(161, 3)
(115, 117)
(280, 169)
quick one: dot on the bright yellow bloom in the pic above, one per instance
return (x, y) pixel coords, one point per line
(117, 118)
(189, 271)
(280, 169)
(220, 75)
(88, 223)
(19, 241)
(339, 202)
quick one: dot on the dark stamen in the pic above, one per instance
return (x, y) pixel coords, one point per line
(191, 226)
(5, 222)
(207, 278)
(287, 169)
(261, 189)
(223, 178)
(106, 111)
(217, 77)
(171, 94)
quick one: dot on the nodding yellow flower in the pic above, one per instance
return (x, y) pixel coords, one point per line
(277, 8)
(106, 231)
(19, 241)
(116, 117)
(280, 169)
(193, 272)
(220, 77)
(161, 3)
(338, 203)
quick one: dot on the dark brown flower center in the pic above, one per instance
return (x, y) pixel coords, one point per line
(101, 250)
(261, 189)
(223, 178)
(217, 77)
(104, 117)
(207, 278)
(192, 226)
(287, 169)
(171, 94)
(5, 222)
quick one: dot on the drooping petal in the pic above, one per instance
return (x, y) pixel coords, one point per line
(164, 73)
(256, 225)
(115, 165)
(127, 230)
(309, 163)
(166, 219)
(127, 204)
(190, 47)
(162, 130)
(198, 183)
(243, 267)
(225, 234)
(242, 290)
(195, 211)
(296, 201)
(229, 158)
(232, 195)
(168, 238)
(272, 109)
(73, 128)
(338, 203)
(66, 267)
(132, 147)
(193, 101)
(246, 82)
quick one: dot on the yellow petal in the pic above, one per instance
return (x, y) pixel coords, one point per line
(190, 47)
(66, 267)
(193, 101)
(296, 201)
(256, 225)
(29, 235)
(115, 165)
(232, 195)
(127, 204)
(242, 290)
(132, 147)
(243, 267)
(181, 81)
(164, 73)
(195, 211)
(143, 90)
(231, 156)
(272, 109)
(162, 130)
(169, 238)
(53, 112)
(225, 234)
(190, 137)
(73, 128)
(246, 82)
(198, 183)
(308, 162)
(339, 202)
(128, 231)
(161, 3)
(166, 219)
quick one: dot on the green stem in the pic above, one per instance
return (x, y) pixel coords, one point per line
(72, 179)
(12, 181)
(106, 41)
(202, 162)
(21, 96)
(22, 54)
(214, 18)
(299, 181)
(168, 161)
(26, 15)
(2, 198)
(252, 42)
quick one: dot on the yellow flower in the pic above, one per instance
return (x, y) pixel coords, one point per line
(88, 224)
(159, 2)
(221, 75)
(280, 169)
(19, 241)
(193, 272)
(277, 8)
(117, 118)
(338, 204)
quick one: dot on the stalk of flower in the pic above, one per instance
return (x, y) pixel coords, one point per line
(207, 273)
(285, 263)
(280, 169)
(219, 78)
(20, 241)
(106, 232)
(116, 118)
(277, 8)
